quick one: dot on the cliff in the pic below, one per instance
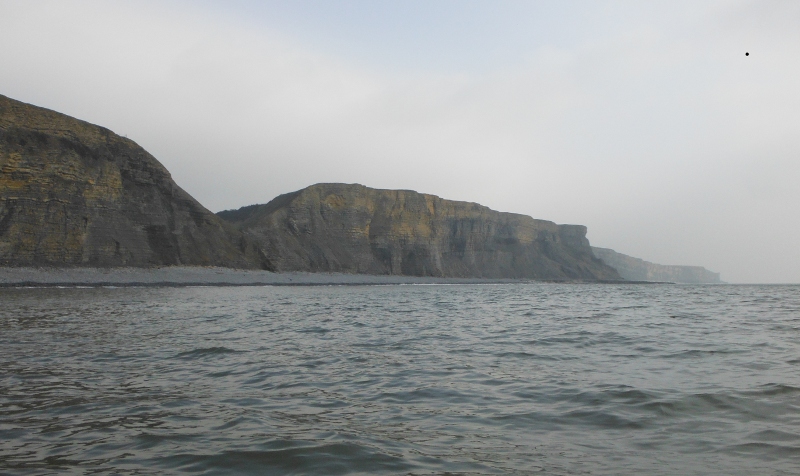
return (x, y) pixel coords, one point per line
(635, 269)
(355, 229)
(72, 193)
(76, 194)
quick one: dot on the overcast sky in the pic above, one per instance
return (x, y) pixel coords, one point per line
(644, 121)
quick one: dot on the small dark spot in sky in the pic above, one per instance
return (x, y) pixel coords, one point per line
(747, 54)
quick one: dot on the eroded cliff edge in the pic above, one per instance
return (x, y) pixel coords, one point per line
(76, 194)
(355, 229)
(635, 269)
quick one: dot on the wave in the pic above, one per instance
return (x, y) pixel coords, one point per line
(330, 458)
(693, 353)
(773, 389)
(206, 352)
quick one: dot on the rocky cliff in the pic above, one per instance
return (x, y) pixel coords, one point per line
(72, 193)
(355, 229)
(635, 269)
(76, 194)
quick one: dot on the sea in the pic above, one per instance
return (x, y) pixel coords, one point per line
(518, 379)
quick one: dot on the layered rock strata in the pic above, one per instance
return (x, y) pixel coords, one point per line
(635, 269)
(72, 193)
(356, 229)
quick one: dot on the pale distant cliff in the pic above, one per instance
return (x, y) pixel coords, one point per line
(635, 269)
(355, 229)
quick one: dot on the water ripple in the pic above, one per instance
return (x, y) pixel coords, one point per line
(511, 379)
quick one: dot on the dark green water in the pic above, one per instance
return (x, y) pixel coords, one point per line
(507, 379)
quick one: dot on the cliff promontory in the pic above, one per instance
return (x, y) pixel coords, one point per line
(356, 229)
(635, 269)
(72, 193)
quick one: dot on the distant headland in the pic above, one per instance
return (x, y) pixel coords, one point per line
(635, 269)
(76, 195)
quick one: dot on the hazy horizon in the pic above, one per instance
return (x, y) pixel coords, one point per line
(645, 122)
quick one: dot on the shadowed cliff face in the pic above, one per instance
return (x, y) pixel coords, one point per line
(355, 229)
(72, 193)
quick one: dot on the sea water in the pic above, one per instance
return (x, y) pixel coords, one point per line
(474, 379)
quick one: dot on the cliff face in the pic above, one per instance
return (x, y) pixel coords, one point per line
(72, 193)
(635, 269)
(355, 229)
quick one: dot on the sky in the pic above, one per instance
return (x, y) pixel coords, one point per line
(644, 121)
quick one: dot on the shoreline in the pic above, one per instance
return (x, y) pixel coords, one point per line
(179, 276)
